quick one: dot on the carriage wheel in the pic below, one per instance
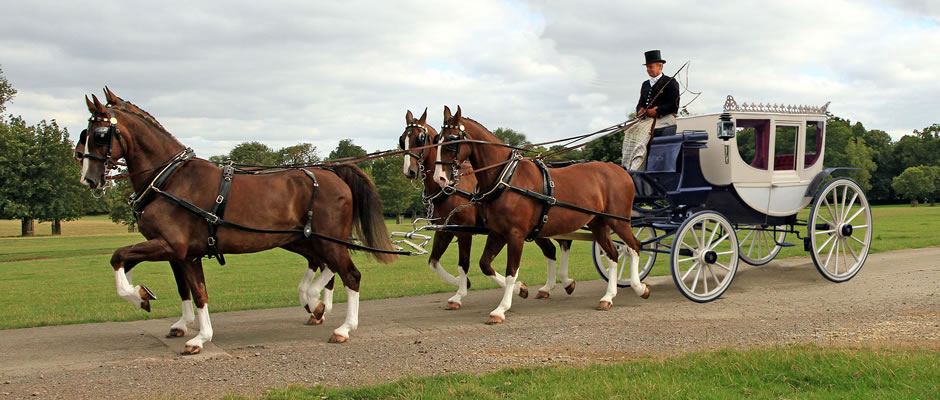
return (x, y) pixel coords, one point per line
(647, 257)
(759, 247)
(839, 229)
(704, 256)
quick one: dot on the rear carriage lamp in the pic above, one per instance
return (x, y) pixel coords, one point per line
(725, 127)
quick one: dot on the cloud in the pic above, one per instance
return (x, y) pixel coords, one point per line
(219, 73)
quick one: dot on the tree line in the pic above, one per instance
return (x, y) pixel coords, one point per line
(39, 177)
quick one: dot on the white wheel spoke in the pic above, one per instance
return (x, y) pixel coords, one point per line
(695, 281)
(849, 221)
(845, 211)
(859, 241)
(820, 249)
(826, 231)
(686, 275)
(701, 244)
(751, 248)
(685, 259)
(829, 257)
(714, 276)
(725, 252)
(722, 239)
(723, 266)
(826, 220)
(767, 241)
(845, 257)
(836, 246)
(855, 256)
(829, 207)
(695, 237)
(687, 246)
(860, 226)
(845, 192)
(705, 278)
(712, 237)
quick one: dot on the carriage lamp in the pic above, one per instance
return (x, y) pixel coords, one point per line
(725, 127)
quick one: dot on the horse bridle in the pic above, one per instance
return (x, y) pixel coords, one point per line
(422, 140)
(101, 136)
(454, 147)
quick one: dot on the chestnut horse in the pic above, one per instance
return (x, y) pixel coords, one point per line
(419, 135)
(340, 198)
(605, 189)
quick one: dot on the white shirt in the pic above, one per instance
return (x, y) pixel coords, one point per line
(655, 79)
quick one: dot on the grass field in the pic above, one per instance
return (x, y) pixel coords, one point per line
(72, 276)
(792, 372)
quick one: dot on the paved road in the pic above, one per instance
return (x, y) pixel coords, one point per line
(895, 300)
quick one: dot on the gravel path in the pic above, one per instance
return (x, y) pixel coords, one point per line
(894, 301)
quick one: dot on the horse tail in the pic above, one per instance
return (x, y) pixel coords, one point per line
(367, 211)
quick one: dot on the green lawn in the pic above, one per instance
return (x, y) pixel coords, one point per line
(72, 275)
(788, 372)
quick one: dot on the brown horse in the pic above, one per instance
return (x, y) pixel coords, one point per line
(341, 198)
(419, 135)
(512, 215)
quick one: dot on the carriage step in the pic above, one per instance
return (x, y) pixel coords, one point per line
(786, 244)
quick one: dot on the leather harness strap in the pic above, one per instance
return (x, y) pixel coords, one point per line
(218, 209)
(548, 188)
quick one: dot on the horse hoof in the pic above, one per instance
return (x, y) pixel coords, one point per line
(542, 295)
(191, 350)
(604, 306)
(523, 291)
(452, 306)
(314, 321)
(145, 305)
(646, 293)
(176, 332)
(338, 338)
(145, 293)
(319, 310)
(570, 288)
(494, 320)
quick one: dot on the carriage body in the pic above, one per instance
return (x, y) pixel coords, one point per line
(709, 198)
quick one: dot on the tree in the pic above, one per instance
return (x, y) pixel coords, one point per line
(345, 149)
(300, 154)
(398, 196)
(933, 172)
(858, 155)
(38, 177)
(511, 137)
(6, 91)
(607, 148)
(915, 183)
(253, 153)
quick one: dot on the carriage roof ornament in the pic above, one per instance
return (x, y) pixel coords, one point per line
(732, 105)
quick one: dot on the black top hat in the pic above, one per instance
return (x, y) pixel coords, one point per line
(653, 56)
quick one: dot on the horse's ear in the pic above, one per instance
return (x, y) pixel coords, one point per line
(424, 117)
(91, 106)
(447, 114)
(457, 115)
(409, 117)
(98, 106)
(110, 96)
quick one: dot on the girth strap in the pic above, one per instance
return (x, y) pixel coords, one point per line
(548, 188)
(308, 227)
(218, 210)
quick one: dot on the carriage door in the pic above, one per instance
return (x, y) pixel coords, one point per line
(787, 189)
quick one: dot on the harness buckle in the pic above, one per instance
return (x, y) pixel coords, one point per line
(212, 218)
(219, 200)
(211, 241)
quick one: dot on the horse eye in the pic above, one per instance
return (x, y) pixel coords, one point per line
(401, 143)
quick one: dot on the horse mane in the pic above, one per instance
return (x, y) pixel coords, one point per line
(485, 129)
(143, 114)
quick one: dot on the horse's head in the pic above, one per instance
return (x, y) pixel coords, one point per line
(450, 154)
(417, 134)
(100, 145)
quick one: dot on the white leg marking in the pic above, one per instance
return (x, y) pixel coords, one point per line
(506, 302)
(187, 318)
(550, 280)
(327, 300)
(130, 279)
(461, 287)
(611, 282)
(125, 290)
(352, 315)
(446, 276)
(205, 328)
(638, 287)
(563, 268)
(313, 291)
(499, 279)
(304, 286)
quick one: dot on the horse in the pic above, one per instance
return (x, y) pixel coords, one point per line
(343, 197)
(594, 194)
(418, 135)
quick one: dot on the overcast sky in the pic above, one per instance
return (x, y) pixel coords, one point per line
(220, 73)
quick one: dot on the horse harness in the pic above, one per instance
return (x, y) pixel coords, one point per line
(102, 136)
(422, 139)
(547, 195)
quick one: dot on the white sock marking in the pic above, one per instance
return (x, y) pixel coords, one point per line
(550, 279)
(506, 302)
(352, 315)
(638, 287)
(186, 319)
(125, 290)
(304, 286)
(446, 276)
(611, 281)
(205, 328)
(563, 268)
(461, 287)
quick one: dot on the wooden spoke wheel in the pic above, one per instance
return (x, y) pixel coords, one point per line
(839, 229)
(647, 257)
(704, 256)
(759, 243)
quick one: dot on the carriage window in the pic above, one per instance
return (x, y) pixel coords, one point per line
(785, 148)
(753, 138)
(814, 138)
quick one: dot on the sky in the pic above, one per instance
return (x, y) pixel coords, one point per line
(218, 73)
